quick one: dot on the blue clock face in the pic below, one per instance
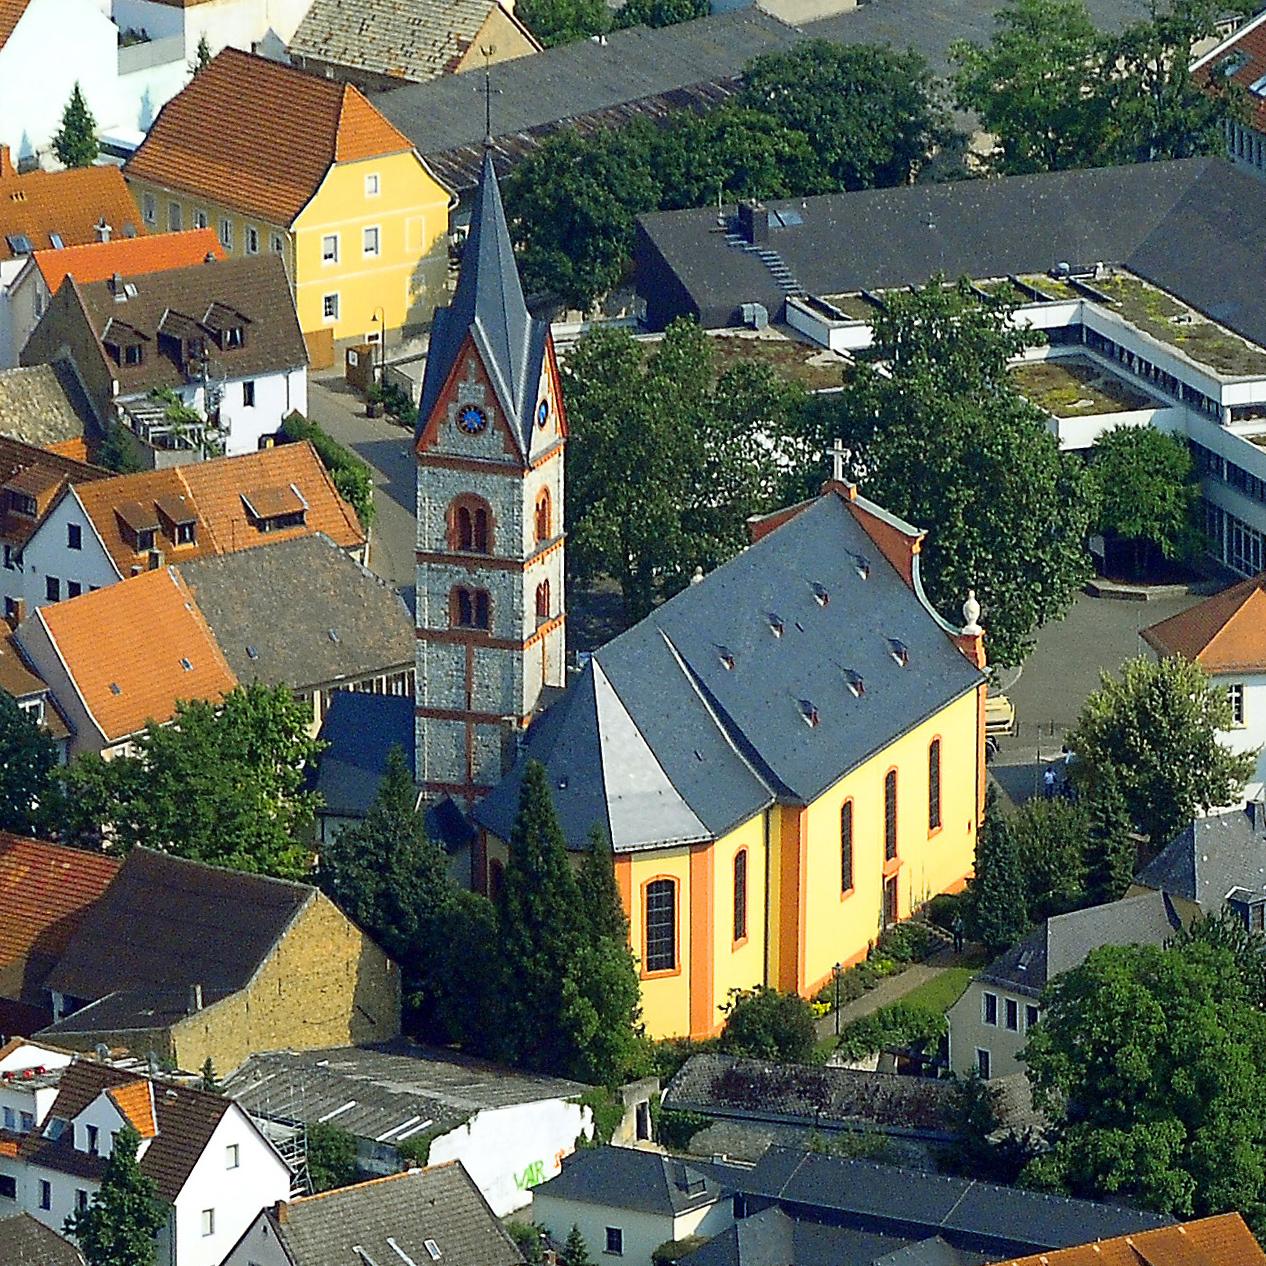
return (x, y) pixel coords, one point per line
(472, 419)
(542, 413)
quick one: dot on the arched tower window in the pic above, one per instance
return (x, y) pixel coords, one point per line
(544, 528)
(542, 600)
(470, 608)
(470, 525)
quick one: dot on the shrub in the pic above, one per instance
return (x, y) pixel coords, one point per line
(331, 1157)
(672, 1251)
(768, 1024)
(674, 1130)
(608, 1111)
(897, 1026)
(529, 1239)
(351, 476)
(945, 907)
(907, 943)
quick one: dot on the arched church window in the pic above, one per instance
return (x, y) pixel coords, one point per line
(543, 526)
(542, 600)
(471, 608)
(470, 525)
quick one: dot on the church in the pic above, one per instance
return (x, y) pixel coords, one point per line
(787, 756)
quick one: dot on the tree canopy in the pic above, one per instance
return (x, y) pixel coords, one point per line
(1156, 727)
(765, 1023)
(28, 765)
(659, 12)
(555, 22)
(999, 897)
(1148, 492)
(76, 141)
(223, 783)
(665, 461)
(1151, 1065)
(119, 1225)
(1057, 92)
(942, 437)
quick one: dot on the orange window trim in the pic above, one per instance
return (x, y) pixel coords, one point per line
(675, 970)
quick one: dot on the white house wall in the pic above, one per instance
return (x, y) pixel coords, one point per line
(259, 1247)
(508, 1151)
(47, 554)
(35, 86)
(642, 1233)
(85, 735)
(244, 24)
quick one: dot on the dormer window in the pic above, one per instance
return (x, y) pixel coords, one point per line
(133, 354)
(93, 1140)
(275, 509)
(726, 656)
(775, 623)
(22, 503)
(899, 651)
(855, 683)
(809, 713)
(234, 336)
(138, 524)
(820, 595)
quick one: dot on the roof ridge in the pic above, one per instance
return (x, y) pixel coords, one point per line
(227, 870)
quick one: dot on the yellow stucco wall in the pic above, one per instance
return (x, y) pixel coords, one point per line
(407, 277)
(812, 924)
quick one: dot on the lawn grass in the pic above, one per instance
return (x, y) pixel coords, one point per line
(941, 992)
(1074, 387)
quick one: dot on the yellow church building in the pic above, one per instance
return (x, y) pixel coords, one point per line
(788, 757)
(278, 160)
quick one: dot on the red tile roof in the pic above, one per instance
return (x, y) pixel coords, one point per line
(45, 890)
(1224, 1240)
(1224, 633)
(136, 1103)
(212, 492)
(11, 12)
(38, 473)
(133, 650)
(130, 256)
(69, 203)
(288, 128)
(1243, 55)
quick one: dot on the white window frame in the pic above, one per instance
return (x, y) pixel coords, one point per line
(987, 1074)
(232, 1156)
(208, 1222)
(277, 243)
(607, 1250)
(326, 314)
(1235, 697)
(175, 217)
(252, 240)
(326, 257)
(149, 208)
(376, 230)
(984, 1009)
(226, 232)
(201, 219)
(1010, 1007)
(373, 185)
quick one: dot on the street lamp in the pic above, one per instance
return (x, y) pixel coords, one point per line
(836, 971)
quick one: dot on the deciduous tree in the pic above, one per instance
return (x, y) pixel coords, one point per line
(943, 438)
(555, 22)
(76, 142)
(659, 12)
(1051, 838)
(1156, 726)
(1147, 491)
(1151, 1065)
(28, 764)
(119, 1225)
(223, 783)
(765, 1023)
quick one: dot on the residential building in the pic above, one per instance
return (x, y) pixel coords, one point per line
(85, 536)
(661, 1199)
(195, 962)
(262, 26)
(304, 614)
(1216, 864)
(510, 1129)
(211, 1167)
(30, 1243)
(31, 693)
(40, 209)
(30, 1073)
(220, 336)
(120, 659)
(434, 1214)
(1238, 64)
(989, 1024)
(46, 407)
(1226, 635)
(31, 482)
(407, 43)
(48, 889)
(1137, 276)
(311, 172)
(489, 442)
(799, 1207)
(42, 274)
(1223, 1240)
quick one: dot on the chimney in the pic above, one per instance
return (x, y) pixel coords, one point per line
(281, 1211)
(753, 222)
(19, 613)
(209, 258)
(117, 288)
(1256, 810)
(195, 998)
(103, 230)
(6, 163)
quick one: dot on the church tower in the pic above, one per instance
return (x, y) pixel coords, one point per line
(489, 445)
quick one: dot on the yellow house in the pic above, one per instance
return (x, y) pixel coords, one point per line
(274, 159)
(788, 756)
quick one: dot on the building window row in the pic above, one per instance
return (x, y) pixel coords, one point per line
(1233, 541)
(1010, 1013)
(471, 608)
(1211, 465)
(1160, 379)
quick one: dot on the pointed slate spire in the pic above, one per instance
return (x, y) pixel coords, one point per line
(489, 305)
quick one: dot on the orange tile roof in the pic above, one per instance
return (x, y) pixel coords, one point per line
(130, 256)
(1224, 633)
(136, 1103)
(134, 649)
(289, 127)
(1244, 55)
(213, 493)
(45, 890)
(11, 12)
(69, 203)
(1224, 1240)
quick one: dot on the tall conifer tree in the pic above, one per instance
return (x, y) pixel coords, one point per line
(118, 1227)
(999, 898)
(76, 143)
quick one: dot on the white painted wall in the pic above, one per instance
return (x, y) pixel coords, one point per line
(245, 24)
(968, 1031)
(55, 43)
(85, 734)
(258, 1247)
(32, 1055)
(48, 554)
(508, 1151)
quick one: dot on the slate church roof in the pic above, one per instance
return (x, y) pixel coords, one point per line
(1210, 858)
(489, 305)
(771, 679)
